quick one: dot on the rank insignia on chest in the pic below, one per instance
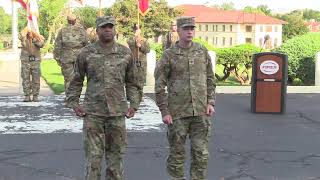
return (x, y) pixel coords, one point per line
(191, 61)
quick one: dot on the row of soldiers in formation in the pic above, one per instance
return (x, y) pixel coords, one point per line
(68, 44)
(184, 89)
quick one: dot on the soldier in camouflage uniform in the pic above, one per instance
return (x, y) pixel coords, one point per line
(186, 70)
(139, 48)
(171, 37)
(30, 63)
(110, 71)
(67, 46)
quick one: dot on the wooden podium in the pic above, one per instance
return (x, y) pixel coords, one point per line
(269, 83)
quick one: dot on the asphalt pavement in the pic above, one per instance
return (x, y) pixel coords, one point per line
(243, 146)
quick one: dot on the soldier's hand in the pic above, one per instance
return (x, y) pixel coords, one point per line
(130, 113)
(79, 111)
(167, 119)
(210, 110)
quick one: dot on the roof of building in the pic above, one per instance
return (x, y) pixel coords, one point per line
(204, 14)
(313, 26)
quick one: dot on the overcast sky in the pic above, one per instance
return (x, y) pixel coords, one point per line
(274, 5)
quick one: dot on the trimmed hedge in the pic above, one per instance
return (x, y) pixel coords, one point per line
(301, 53)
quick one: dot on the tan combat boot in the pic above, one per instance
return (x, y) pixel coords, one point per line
(35, 99)
(26, 99)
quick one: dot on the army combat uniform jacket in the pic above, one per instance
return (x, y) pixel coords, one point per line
(140, 56)
(189, 78)
(68, 43)
(111, 80)
(30, 48)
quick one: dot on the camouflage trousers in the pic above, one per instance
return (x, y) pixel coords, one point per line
(199, 130)
(142, 73)
(104, 136)
(30, 74)
(67, 70)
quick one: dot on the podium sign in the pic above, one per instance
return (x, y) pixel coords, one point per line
(269, 83)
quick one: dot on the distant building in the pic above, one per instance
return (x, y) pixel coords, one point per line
(223, 28)
(313, 26)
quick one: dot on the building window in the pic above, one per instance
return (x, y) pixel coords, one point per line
(224, 28)
(231, 41)
(275, 43)
(223, 41)
(268, 28)
(248, 40)
(261, 28)
(207, 27)
(213, 40)
(216, 40)
(213, 28)
(276, 29)
(231, 28)
(248, 28)
(207, 39)
(199, 27)
(217, 28)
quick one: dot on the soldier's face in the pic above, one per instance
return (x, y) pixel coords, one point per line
(186, 33)
(106, 33)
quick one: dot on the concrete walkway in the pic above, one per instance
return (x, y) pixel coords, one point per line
(10, 80)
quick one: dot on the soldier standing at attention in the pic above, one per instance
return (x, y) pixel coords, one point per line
(186, 70)
(30, 63)
(139, 48)
(67, 46)
(171, 37)
(111, 81)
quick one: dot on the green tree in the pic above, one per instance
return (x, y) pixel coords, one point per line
(265, 9)
(87, 15)
(296, 25)
(224, 6)
(52, 17)
(227, 6)
(309, 14)
(250, 9)
(22, 19)
(156, 22)
(5, 22)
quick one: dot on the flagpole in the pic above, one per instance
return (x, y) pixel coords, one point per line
(138, 8)
(14, 27)
(100, 8)
(138, 27)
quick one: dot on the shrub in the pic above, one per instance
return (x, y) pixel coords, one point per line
(297, 82)
(301, 53)
(237, 60)
(158, 48)
(48, 48)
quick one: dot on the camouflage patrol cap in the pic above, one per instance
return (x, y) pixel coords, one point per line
(71, 17)
(103, 20)
(185, 21)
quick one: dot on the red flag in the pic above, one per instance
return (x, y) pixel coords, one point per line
(79, 1)
(23, 3)
(143, 7)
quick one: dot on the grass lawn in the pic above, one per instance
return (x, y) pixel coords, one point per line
(51, 72)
